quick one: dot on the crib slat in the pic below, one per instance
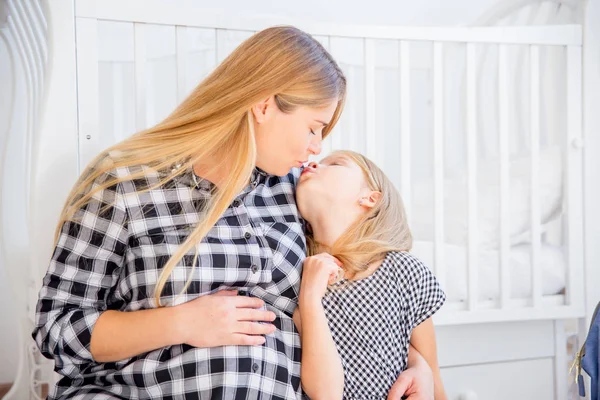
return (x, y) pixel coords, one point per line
(118, 106)
(336, 139)
(182, 56)
(438, 157)
(217, 46)
(504, 175)
(87, 89)
(405, 143)
(351, 136)
(534, 118)
(326, 144)
(370, 129)
(220, 44)
(139, 34)
(574, 179)
(473, 209)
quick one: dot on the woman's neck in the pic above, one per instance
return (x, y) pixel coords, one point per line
(213, 171)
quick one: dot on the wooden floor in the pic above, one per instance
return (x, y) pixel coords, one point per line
(5, 387)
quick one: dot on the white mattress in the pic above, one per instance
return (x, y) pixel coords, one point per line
(552, 261)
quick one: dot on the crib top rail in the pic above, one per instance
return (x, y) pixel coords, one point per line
(194, 14)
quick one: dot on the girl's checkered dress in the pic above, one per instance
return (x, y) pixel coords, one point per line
(371, 321)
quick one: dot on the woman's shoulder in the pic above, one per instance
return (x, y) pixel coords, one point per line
(281, 185)
(106, 170)
(293, 176)
(143, 191)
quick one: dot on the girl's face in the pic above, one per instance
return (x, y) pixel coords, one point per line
(286, 140)
(336, 185)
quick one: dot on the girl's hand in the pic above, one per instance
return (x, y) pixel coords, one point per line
(318, 271)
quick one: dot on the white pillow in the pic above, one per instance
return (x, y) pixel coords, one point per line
(421, 218)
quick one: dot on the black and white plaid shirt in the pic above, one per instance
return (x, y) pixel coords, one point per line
(112, 261)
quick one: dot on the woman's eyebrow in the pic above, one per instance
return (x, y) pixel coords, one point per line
(321, 122)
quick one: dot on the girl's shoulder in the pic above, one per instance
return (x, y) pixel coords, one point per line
(408, 268)
(406, 262)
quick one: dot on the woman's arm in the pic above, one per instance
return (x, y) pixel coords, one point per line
(208, 321)
(74, 325)
(137, 332)
(416, 382)
(321, 368)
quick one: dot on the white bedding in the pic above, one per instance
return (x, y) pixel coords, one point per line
(421, 218)
(552, 261)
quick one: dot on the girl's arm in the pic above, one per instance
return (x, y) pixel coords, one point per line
(423, 341)
(321, 368)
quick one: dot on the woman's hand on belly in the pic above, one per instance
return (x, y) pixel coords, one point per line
(223, 318)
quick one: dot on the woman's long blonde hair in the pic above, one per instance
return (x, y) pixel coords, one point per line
(216, 119)
(382, 229)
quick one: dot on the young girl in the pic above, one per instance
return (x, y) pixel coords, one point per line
(363, 298)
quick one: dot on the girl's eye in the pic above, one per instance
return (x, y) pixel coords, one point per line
(312, 132)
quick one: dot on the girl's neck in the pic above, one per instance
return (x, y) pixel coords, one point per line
(374, 266)
(327, 229)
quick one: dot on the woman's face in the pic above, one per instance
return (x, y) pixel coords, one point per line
(285, 141)
(336, 184)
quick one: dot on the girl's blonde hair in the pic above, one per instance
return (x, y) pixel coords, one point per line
(382, 229)
(216, 121)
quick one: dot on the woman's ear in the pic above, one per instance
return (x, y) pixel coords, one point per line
(262, 110)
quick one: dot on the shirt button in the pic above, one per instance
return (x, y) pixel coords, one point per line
(247, 235)
(237, 203)
(254, 268)
(255, 367)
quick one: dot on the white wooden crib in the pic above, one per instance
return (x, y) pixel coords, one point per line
(480, 128)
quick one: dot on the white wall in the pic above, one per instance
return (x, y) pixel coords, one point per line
(10, 217)
(591, 125)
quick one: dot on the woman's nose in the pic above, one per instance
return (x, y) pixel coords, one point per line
(315, 147)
